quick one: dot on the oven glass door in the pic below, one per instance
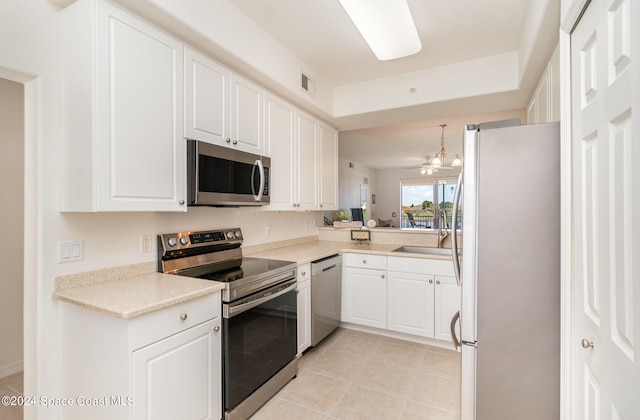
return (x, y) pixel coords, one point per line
(257, 343)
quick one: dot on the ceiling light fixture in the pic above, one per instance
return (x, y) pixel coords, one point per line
(439, 158)
(386, 25)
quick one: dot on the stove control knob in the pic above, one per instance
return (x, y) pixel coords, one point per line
(184, 240)
(238, 234)
(172, 241)
(229, 235)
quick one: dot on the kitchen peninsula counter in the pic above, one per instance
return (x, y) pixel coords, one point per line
(305, 252)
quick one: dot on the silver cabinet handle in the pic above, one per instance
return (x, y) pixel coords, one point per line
(364, 261)
(183, 317)
(235, 142)
(382, 275)
(454, 231)
(216, 329)
(181, 202)
(437, 281)
(587, 344)
(452, 326)
(228, 140)
(430, 281)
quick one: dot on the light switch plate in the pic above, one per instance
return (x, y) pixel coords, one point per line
(69, 251)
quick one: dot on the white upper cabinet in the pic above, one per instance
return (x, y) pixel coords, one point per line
(304, 158)
(206, 98)
(307, 156)
(221, 107)
(544, 105)
(247, 103)
(328, 170)
(122, 112)
(281, 147)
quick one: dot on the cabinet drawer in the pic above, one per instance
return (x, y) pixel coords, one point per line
(157, 325)
(421, 265)
(378, 262)
(304, 272)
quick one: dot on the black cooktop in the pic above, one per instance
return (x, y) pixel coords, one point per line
(248, 267)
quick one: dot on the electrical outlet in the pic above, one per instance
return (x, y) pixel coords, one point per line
(267, 229)
(146, 243)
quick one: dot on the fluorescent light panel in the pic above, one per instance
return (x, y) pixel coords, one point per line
(386, 25)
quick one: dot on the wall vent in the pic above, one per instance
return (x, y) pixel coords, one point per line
(307, 84)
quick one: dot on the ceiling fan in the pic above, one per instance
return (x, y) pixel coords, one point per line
(428, 168)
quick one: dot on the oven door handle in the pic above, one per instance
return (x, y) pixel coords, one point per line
(231, 311)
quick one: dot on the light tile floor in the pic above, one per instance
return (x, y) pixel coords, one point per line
(350, 375)
(11, 386)
(356, 375)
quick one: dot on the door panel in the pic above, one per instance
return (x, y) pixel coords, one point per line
(605, 370)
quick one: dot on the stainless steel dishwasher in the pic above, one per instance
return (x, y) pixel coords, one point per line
(326, 296)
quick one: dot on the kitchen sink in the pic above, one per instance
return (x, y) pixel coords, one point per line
(423, 250)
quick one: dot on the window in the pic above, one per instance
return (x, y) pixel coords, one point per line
(421, 201)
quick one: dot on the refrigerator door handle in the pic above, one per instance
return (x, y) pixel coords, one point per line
(456, 342)
(454, 233)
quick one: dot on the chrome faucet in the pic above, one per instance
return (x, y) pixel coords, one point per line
(442, 231)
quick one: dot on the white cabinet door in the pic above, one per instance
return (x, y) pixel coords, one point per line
(122, 106)
(328, 169)
(304, 315)
(304, 158)
(178, 377)
(447, 303)
(307, 157)
(221, 107)
(365, 297)
(247, 102)
(206, 99)
(410, 298)
(281, 147)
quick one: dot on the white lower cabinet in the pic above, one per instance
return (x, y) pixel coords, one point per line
(178, 369)
(410, 308)
(416, 296)
(364, 290)
(304, 307)
(162, 365)
(447, 302)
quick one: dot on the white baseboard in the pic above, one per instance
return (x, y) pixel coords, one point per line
(11, 368)
(402, 336)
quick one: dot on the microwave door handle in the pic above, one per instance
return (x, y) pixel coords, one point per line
(261, 190)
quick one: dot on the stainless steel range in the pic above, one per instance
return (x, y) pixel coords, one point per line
(259, 334)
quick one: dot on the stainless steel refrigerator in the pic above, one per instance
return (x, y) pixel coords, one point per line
(509, 268)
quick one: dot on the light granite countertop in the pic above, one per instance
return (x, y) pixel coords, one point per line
(314, 250)
(131, 291)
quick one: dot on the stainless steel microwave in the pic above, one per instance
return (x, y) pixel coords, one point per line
(221, 176)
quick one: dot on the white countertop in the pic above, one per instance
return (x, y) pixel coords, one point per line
(127, 292)
(130, 291)
(315, 250)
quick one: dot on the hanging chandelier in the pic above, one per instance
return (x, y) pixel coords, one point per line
(440, 157)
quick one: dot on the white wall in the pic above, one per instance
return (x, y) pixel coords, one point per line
(11, 214)
(351, 176)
